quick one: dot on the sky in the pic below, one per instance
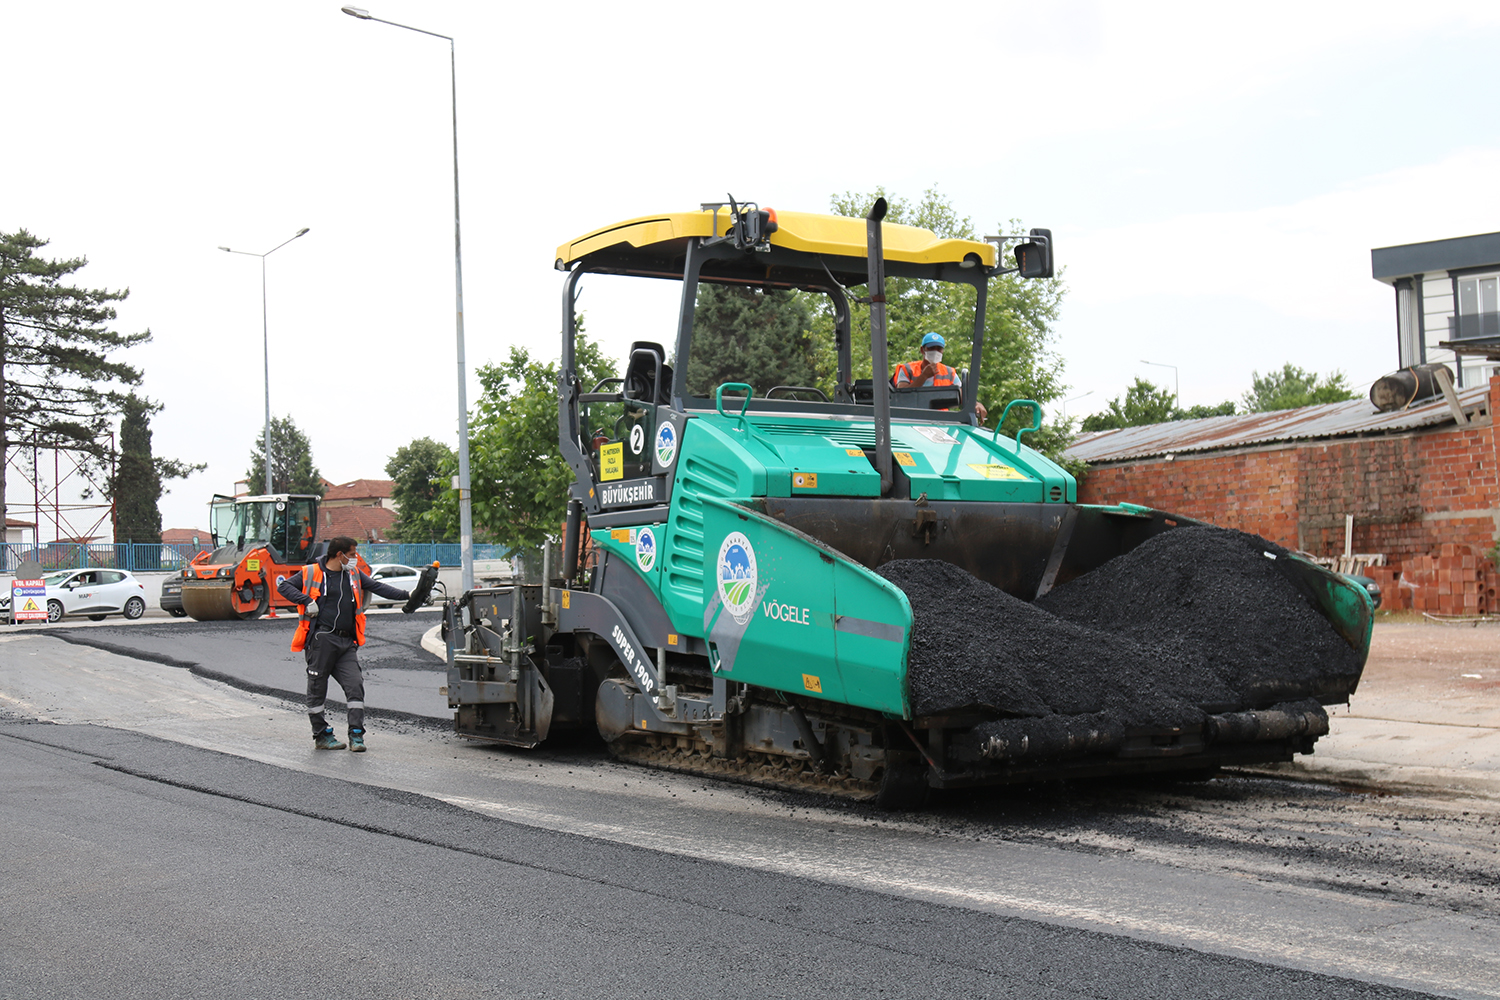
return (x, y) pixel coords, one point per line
(1215, 177)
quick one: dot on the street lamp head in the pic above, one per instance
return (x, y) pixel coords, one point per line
(358, 12)
(226, 249)
(302, 232)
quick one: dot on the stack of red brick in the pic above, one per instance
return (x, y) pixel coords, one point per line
(1459, 580)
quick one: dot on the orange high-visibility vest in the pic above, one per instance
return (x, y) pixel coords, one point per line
(941, 375)
(312, 586)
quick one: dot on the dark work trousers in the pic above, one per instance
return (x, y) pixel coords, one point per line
(332, 655)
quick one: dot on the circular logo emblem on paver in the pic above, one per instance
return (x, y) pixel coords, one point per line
(645, 549)
(666, 444)
(737, 576)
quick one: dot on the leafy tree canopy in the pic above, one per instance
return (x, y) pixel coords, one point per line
(292, 468)
(1292, 387)
(1146, 403)
(520, 481)
(420, 471)
(58, 384)
(745, 335)
(136, 486)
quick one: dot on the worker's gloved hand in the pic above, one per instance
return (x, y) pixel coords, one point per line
(311, 607)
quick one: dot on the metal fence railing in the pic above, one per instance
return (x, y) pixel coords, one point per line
(137, 557)
(143, 557)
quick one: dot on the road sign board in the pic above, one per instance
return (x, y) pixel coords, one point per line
(28, 600)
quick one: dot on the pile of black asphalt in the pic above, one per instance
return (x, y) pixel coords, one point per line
(1193, 621)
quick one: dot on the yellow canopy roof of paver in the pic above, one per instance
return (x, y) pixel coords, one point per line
(835, 235)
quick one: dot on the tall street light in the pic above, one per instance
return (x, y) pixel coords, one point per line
(266, 337)
(1074, 400)
(465, 507)
(1176, 387)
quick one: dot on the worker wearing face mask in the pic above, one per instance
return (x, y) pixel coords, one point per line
(332, 628)
(931, 371)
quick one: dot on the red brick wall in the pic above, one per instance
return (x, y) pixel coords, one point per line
(1398, 487)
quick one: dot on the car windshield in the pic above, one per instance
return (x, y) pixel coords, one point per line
(55, 579)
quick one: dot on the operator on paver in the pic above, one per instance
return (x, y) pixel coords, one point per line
(931, 371)
(331, 630)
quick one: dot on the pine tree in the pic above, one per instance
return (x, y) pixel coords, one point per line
(136, 487)
(58, 385)
(745, 335)
(292, 469)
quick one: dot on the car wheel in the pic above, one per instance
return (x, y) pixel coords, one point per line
(96, 618)
(134, 608)
(54, 611)
(178, 613)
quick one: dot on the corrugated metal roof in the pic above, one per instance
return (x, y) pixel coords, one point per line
(1355, 417)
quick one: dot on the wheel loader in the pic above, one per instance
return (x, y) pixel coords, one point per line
(257, 539)
(746, 609)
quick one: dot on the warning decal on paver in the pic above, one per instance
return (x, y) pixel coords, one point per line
(995, 470)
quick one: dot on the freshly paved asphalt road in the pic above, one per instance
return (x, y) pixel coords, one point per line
(139, 867)
(192, 804)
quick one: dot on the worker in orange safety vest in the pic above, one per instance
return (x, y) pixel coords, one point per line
(930, 371)
(332, 628)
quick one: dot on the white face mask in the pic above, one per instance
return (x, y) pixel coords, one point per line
(351, 561)
(933, 356)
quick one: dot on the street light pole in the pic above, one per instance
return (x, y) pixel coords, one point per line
(1176, 386)
(465, 499)
(265, 335)
(1074, 400)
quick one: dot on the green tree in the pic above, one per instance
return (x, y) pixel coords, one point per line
(292, 469)
(1017, 362)
(519, 478)
(1146, 403)
(1292, 387)
(1224, 409)
(1143, 403)
(136, 486)
(746, 335)
(58, 385)
(421, 473)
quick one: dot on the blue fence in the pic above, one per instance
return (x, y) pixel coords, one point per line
(147, 558)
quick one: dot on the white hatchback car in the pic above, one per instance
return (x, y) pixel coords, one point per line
(404, 577)
(93, 592)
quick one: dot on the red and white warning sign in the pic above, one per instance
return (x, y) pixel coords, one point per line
(28, 600)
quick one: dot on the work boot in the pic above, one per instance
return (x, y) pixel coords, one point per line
(327, 741)
(357, 740)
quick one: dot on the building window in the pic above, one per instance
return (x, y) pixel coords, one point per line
(1479, 306)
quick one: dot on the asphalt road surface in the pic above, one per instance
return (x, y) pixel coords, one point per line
(183, 832)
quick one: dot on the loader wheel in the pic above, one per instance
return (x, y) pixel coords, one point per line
(903, 786)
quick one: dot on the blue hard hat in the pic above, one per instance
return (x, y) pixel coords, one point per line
(933, 340)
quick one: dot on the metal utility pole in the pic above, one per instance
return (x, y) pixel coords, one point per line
(266, 338)
(465, 499)
(1176, 387)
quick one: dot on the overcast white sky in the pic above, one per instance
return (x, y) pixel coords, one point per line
(1214, 175)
